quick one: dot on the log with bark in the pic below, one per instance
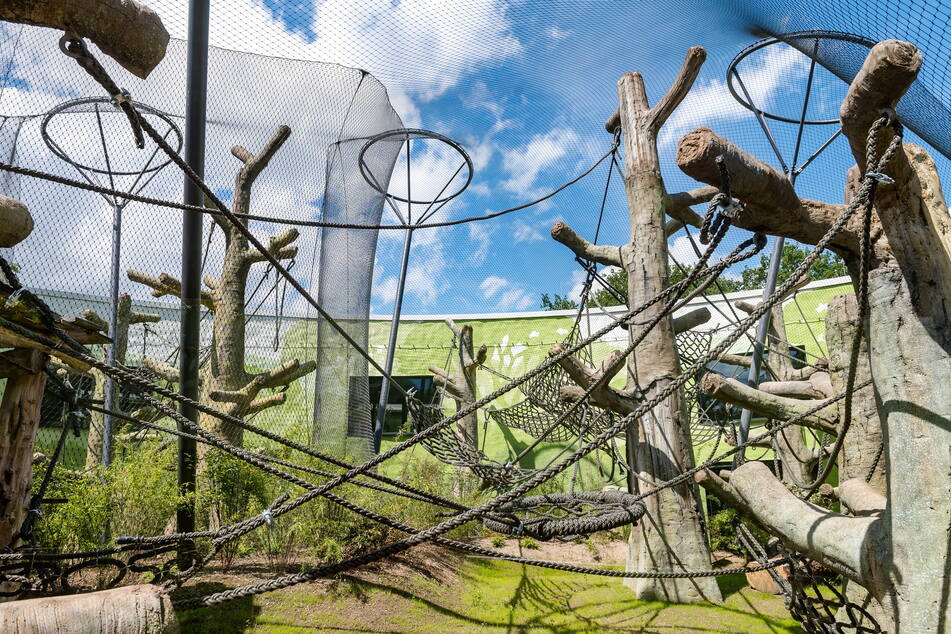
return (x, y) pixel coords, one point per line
(899, 554)
(128, 31)
(225, 382)
(142, 609)
(670, 539)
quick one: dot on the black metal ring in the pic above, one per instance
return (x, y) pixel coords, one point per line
(143, 109)
(784, 39)
(409, 134)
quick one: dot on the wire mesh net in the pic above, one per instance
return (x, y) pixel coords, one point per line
(534, 122)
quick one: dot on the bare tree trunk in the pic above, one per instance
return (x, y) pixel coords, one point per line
(120, 340)
(896, 548)
(669, 537)
(461, 386)
(225, 382)
(19, 421)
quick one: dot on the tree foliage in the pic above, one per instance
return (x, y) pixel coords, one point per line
(752, 278)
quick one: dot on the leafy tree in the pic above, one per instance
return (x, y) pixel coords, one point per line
(753, 278)
(558, 302)
(828, 265)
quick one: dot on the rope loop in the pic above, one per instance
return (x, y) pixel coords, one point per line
(566, 516)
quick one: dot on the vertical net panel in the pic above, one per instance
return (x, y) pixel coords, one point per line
(342, 397)
(67, 258)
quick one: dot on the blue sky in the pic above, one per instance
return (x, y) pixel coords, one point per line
(525, 87)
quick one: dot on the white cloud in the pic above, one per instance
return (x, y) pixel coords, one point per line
(681, 251)
(576, 279)
(481, 234)
(710, 102)
(491, 285)
(556, 33)
(442, 40)
(526, 233)
(541, 152)
(508, 296)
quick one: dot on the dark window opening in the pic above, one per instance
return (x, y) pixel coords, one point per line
(396, 411)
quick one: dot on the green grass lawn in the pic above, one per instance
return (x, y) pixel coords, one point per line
(487, 596)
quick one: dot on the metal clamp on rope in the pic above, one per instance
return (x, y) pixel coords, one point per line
(884, 179)
(729, 208)
(890, 115)
(71, 38)
(268, 518)
(121, 97)
(13, 298)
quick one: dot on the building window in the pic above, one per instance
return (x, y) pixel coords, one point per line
(396, 412)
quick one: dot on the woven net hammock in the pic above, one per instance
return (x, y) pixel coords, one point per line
(538, 412)
(448, 447)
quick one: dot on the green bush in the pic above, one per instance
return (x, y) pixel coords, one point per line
(136, 495)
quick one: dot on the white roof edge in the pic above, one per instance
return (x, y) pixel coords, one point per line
(736, 295)
(173, 306)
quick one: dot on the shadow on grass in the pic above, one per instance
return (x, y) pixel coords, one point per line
(234, 616)
(490, 595)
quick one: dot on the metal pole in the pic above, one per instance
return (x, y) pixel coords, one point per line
(195, 108)
(391, 346)
(110, 387)
(762, 330)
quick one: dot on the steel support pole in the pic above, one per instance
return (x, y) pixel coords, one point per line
(110, 386)
(762, 331)
(195, 108)
(391, 346)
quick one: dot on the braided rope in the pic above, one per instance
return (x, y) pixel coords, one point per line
(717, 225)
(862, 199)
(583, 513)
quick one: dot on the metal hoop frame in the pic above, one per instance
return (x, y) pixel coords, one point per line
(732, 71)
(408, 134)
(66, 108)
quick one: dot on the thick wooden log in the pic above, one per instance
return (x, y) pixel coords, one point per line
(887, 73)
(601, 253)
(16, 223)
(128, 31)
(143, 609)
(692, 319)
(20, 361)
(770, 203)
(861, 497)
(19, 420)
(848, 545)
(604, 395)
(818, 385)
(768, 405)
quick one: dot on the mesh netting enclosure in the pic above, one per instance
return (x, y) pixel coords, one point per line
(924, 108)
(342, 396)
(67, 258)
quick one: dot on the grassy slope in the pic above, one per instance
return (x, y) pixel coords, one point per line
(489, 596)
